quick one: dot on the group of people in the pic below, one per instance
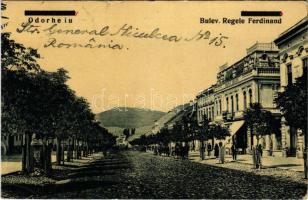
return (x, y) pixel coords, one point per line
(179, 150)
(219, 151)
(182, 151)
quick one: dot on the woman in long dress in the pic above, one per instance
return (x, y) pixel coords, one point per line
(222, 152)
(216, 150)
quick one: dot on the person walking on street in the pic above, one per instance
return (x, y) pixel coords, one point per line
(221, 153)
(216, 151)
(209, 149)
(259, 153)
(202, 150)
(234, 152)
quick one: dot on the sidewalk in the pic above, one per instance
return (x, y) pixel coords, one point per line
(12, 163)
(289, 163)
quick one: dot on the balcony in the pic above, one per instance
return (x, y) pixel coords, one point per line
(267, 70)
(259, 71)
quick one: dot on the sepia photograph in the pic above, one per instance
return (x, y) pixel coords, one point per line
(154, 99)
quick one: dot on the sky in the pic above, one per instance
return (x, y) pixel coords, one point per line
(146, 73)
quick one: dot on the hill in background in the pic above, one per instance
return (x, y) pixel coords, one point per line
(115, 120)
(128, 117)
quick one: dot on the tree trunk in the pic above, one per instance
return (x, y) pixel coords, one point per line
(62, 153)
(75, 148)
(44, 158)
(29, 153)
(305, 154)
(83, 148)
(87, 149)
(78, 150)
(23, 153)
(69, 149)
(58, 153)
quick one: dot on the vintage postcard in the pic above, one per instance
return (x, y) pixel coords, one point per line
(154, 99)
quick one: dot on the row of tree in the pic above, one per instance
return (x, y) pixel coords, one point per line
(292, 102)
(185, 130)
(40, 106)
(260, 122)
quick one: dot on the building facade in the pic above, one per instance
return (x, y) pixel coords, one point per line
(293, 48)
(253, 79)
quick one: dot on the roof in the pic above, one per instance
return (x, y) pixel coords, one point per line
(297, 28)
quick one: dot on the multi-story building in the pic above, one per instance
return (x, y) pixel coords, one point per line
(205, 104)
(293, 47)
(252, 79)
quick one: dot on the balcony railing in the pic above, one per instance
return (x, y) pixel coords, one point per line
(260, 71)
(266, 70)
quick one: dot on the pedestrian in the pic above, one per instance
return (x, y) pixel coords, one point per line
(216, 150)
(177, 150)
(186, 151)
(209, 149)
(202, 150)
(234, 151)
(260, 149)
(259, 153)
(222, 152)
(155, 150)
(254, 156)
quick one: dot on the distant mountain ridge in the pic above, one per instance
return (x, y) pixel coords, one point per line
(127, 117)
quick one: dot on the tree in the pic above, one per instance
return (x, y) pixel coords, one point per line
(218, 131)
(203, 132)
(40, 103)
(259, 121)
(293, 105)
(18, 68)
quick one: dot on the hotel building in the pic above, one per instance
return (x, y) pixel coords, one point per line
(253, 79)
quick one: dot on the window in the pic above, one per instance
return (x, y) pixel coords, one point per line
(209, 114)
(227, 102)
(289, 73)
(232, 105)
(250, 96)
(216, 107)
(245, 100)
(220, 106)
(236, 100)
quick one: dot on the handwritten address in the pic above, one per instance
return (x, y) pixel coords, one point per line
(126, 30)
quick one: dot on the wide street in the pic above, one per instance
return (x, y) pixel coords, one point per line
(142, 175)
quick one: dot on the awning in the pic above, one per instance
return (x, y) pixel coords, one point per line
(235, 126)
(233, 129)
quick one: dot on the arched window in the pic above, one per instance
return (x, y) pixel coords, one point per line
(250, 96)
(227, 103)
(300, 50)
(245, 100)
(236, 100)
(232, 105)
